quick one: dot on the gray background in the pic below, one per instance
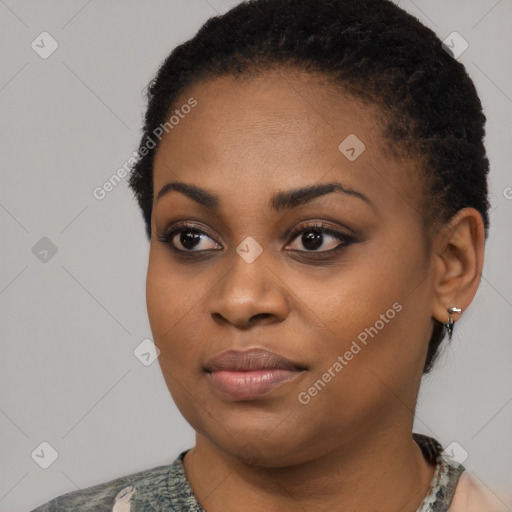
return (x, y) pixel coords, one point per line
(70, 324)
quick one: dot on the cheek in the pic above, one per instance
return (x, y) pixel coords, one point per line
(173, 302)
(375, 315)
(362, 292)
(170, 304)
(176, 299)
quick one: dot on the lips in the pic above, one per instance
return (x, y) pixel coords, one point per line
(250, 374)
(254, 359)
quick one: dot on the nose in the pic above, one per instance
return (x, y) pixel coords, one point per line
(249, 294)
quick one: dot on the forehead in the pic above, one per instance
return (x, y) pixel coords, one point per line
(294, 111)
(278, 129)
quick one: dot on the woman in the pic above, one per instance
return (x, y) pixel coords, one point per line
(313, 180)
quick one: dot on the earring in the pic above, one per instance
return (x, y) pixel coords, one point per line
(450, 323)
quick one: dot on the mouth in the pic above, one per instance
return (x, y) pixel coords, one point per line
(250, 374)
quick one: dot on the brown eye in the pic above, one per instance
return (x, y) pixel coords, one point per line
(188, 239)
(318, 238)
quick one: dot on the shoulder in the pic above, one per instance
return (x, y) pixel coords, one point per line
(103, 497)
(472, 496)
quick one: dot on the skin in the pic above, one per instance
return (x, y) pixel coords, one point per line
(350, 447)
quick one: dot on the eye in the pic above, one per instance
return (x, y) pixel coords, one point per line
(315, 238)
(188, 238)
(318, 237)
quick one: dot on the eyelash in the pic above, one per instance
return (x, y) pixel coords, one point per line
(345, 240)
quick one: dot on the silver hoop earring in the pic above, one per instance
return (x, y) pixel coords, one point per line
(450, 322)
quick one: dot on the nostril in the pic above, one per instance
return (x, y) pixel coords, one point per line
(258, 316)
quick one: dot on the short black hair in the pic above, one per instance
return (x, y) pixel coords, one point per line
(371, 49)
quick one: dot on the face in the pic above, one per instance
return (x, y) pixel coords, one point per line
(335, 282)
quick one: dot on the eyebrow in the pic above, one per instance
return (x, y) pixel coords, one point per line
(280, 201)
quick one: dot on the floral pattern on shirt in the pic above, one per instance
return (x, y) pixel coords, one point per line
(446, 475)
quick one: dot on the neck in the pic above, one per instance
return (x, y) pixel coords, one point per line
(383, 471)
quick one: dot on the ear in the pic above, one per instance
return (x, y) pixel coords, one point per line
(458, 261)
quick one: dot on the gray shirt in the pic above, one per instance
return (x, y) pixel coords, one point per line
(166, 488)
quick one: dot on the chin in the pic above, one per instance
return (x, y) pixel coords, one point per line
(270, 455)
(256, 444)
